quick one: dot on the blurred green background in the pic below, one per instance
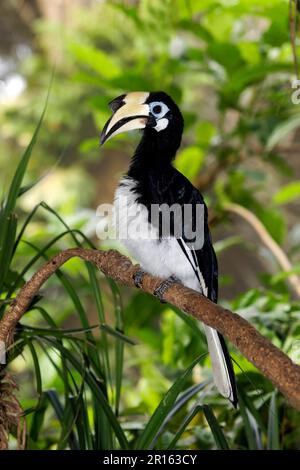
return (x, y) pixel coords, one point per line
(231, 67)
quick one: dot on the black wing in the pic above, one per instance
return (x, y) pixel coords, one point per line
(178, 189)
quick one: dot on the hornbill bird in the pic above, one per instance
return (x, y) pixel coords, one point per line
(153, 180)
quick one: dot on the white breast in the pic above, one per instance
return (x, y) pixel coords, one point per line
(160, 257)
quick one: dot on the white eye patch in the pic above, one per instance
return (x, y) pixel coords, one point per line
(161, 124)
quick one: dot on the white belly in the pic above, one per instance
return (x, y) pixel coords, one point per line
(160, 257)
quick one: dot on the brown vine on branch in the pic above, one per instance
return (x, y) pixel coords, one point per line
(269, 242)
(273, 363)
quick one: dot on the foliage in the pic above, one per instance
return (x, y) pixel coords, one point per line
(229, 66)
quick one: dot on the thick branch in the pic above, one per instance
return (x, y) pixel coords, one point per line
(274, 364)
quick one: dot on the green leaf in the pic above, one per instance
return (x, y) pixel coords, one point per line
(191, 322)
(228, 242)
(277, 34)
(197, 29)
(205, 131)
(282, 130)
(189, 161)
(226, 54)
(287, 193)
(273, 221)
(246, 76)
(96, 59)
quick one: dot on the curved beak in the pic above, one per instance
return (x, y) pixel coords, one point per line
(129, 112)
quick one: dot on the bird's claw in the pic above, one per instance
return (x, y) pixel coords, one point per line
(163, 287)
(138, 278)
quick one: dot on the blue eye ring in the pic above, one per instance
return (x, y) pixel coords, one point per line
(158, 109)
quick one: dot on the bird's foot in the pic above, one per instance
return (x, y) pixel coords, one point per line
(138, 278)
(163, 287)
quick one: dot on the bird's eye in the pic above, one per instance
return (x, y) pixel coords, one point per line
(158, 109)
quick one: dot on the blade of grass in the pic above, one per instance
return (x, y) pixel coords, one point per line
(180, 402)
(59, 332)
(101, 315)
(24, 226)
(64, 368)
(249, 403)
(96, 391)
(72, 232)
(82, 432)
(22, 166)
(191, 322)
(119, 345)
(183, 427)
(185, 397)
(216, 429)
(148, 436)
(8, 206)
(103, 439)
(86, 425)
(15, 349)
(95, 290)
(77, 304)
(118, 334)
(6, 248)
(67, 434)
(58, 337)
(38, 376)
(70, 388)
(38, 418)
(73, 413)
(40, 254)
(71, 291)
(60, 413)
(273, 442)
(250, 426)
(48, 319)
